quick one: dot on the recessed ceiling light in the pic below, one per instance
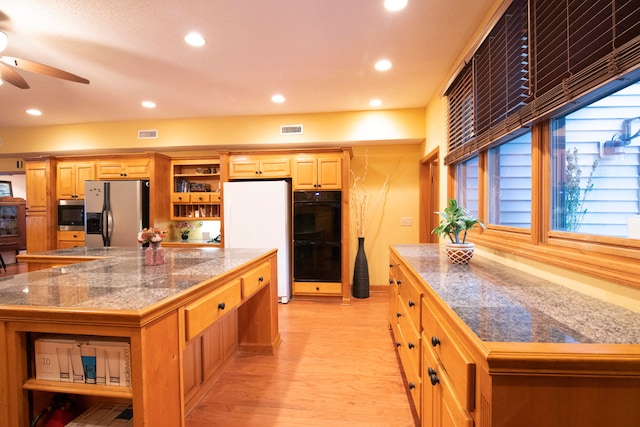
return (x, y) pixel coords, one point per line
(375, 103)
(34, 112)
(278, 99)
(148, 104)
(395, 5)
(383, 65)
(194, 39)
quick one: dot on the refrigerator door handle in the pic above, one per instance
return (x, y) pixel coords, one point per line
(106, 215)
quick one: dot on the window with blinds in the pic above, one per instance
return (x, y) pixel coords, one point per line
(539, 58)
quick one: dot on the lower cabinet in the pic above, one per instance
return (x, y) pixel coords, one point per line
(205, 355)
(70, 239)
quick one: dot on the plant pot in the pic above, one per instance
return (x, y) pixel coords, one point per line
(185, 236)
(460, 253)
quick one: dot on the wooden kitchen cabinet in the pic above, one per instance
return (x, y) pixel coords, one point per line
(42, 214)
(71, 177)
(259, 166)
(317, 171)
(195, 189)
(70, 239)
(123, 168)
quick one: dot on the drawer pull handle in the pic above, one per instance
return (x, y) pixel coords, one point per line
(412, 304)
(260, 279)
(435, 341)
(391, 281)
(398, 314)
(398, 344)
(411, 346)
(221, 306)
(390, 265)
(399, 282)
(412, 386)
(434, 379)
(431, 371)
(317, 288)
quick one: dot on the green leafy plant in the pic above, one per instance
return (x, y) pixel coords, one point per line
(456, 221)
(575, 195)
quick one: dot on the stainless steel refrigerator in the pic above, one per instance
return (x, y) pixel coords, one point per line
(257, 214)
(115, 211)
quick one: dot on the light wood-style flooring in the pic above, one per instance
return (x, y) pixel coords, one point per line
(336, 366)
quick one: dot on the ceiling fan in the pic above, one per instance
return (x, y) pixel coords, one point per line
(9, 75)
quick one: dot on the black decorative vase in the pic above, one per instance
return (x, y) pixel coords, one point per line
(185, 236)
(361, 273)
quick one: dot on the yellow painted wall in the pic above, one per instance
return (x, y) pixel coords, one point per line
(326, 129)
(399, 163)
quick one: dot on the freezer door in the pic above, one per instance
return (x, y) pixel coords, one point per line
(124, 217)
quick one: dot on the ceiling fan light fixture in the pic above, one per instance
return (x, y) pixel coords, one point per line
(3, 40)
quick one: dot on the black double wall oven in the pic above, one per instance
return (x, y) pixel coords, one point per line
(317, 225)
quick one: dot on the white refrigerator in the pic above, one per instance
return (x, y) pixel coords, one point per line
(257, 214)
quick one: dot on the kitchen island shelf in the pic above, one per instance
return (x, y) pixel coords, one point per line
(78, 388)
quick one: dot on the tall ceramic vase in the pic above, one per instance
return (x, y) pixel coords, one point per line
(361, 273)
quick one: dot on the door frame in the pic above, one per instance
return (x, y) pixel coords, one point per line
(429, 195)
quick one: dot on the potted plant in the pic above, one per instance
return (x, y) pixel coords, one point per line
(184, 228)
(455, 223)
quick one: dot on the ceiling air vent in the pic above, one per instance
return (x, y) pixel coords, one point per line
(148, 134)
(291, 130)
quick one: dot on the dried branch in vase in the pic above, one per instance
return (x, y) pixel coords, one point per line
(362, 205)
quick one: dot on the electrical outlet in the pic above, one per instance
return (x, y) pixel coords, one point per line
(406, 221)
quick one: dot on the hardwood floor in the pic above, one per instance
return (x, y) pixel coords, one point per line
(336, 366)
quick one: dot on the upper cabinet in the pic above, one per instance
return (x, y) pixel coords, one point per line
(71, 177)
(196, 188)
(259, 166)
(317, 171)
(123, 168)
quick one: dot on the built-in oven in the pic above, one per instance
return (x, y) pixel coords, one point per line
(317, 228)
(71, 215)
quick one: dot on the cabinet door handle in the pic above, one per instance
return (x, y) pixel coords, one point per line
(260, 279)
(398, 314)
(412, 386)
(434, 379)
(411, 346)
(391, 281)
(431, 371)
(399, 282)
(221, 306)
(398, 344)
(411, 303)
(435, 341)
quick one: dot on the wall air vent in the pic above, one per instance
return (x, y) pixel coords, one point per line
(291, 130)
(148, 134)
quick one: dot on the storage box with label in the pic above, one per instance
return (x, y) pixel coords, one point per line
(58, 358)
(113, 360)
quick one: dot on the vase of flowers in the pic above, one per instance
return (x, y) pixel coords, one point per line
(152, 237)
(184, 228)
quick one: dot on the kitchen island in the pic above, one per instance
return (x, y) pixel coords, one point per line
(486, 345)
(170, 314)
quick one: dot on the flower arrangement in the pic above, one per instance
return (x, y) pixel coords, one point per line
(184, 227)
(151, 235)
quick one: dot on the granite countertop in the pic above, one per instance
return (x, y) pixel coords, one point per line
(120, 280)
(503, 304)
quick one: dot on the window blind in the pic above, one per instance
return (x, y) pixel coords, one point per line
(573, 47)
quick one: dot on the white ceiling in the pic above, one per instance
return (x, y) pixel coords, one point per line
(318, 53)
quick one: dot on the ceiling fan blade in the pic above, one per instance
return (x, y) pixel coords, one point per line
(38, 68)
(9, 75)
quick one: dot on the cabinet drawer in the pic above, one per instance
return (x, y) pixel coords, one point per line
(256, 279)
(409, 347)
(458, 365)
(199, 197)
(71, 235)
(414, 385)
(200, 314)
(180, 197)
(410, 296)
(317, 288)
